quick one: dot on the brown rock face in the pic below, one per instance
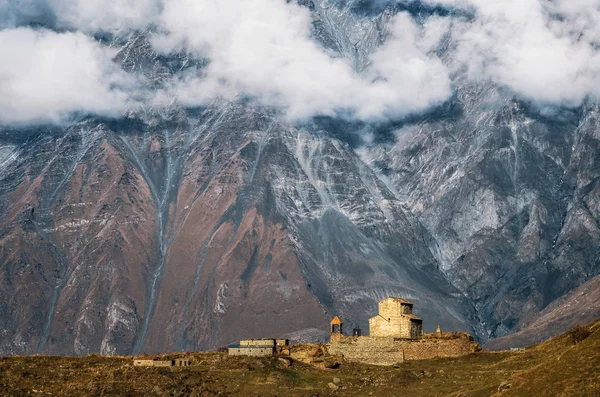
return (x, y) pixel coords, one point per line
(70, 249)
(224, 224)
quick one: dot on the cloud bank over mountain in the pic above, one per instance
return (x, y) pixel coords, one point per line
(89, 16)
(545, 51)
(264, 49)
(45, 76)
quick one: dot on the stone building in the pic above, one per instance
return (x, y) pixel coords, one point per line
(144, 363)
(282, 346)
(259, 347)
(180, 362)
(257, 342)
(396, 334)
(335, 329)
(396, 319)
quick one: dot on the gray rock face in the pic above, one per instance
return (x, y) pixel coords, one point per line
(501, 201)
(182, 229)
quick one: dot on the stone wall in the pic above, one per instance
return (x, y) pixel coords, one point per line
(182, 362)
(368, 350)
(335, 337)
(431, 348)
(153, 363)
(163, 363)
(389, 308)
(389, 326)
(257, 342)
(393, 307)
(143, 363)
(251, 351)
(388, 351)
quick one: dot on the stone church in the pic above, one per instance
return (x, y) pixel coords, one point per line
(395, 335)
(396, 319)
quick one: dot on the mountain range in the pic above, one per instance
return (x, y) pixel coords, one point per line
(181, 228)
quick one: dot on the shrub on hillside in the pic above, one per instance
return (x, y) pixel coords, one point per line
(579, 333)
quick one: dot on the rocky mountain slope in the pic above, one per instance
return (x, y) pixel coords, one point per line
(577, 307)
(188, 228)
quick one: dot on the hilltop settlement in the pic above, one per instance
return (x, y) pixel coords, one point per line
(395, 335)
(408, 362)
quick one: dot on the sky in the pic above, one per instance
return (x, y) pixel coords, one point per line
(545, 51)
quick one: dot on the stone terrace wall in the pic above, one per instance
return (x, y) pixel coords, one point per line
(388, 351)
(432, 348)
(368, 350)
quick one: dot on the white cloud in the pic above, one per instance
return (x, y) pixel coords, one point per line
(264, 49)
(85, 15)
(544, 50)
(17, 12)
(48, 75)
(579, 18)
(406, 79)
(107, 15)
(525, 45)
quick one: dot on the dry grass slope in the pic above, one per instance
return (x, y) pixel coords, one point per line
(567, 365)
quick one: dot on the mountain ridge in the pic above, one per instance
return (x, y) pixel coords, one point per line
(183, 228)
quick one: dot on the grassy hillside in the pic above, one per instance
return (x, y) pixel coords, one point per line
(567, 365)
